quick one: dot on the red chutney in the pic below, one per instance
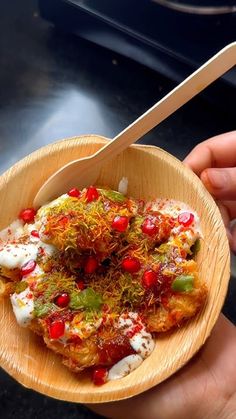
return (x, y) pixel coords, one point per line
(121, 268)
(114, 349)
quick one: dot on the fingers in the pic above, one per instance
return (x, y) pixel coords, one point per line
(226, 215)
(221, 183)
(228, 212)
(213, 161)
(219, 151)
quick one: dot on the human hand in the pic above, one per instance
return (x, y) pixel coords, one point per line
(204, 389)
(214, 161)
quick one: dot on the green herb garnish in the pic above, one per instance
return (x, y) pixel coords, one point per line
(195, 247)
(21, 286)
(41, 308)
(113, 195)
(87, 299)
(183, 283)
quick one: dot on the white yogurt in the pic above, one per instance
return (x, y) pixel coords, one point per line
(174, 209)
(124, 367)
(142, 343)
(13, 231)
(127, 322)
(49, 249)
(123, 185)
(15, 255)
(168, 206)
(23, 307)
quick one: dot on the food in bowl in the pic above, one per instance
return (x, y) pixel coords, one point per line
(98, 275)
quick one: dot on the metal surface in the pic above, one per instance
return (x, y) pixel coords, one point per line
(172, 43)
(197, 9)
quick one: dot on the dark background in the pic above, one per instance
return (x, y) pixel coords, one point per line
(54, 85)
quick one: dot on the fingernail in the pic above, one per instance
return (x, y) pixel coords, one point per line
(216, 179)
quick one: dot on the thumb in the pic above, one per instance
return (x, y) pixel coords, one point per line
(221, 183)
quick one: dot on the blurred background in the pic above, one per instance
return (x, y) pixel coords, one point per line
(72, 67)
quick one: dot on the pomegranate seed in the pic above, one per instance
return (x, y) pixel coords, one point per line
(35, 233)
(100, 376)
(149, 279)
(28, 267)
(185, 218)
(74, 192)
(120, 223)
(91, 264)
(148, 227)
(41, 251)
(56, 329)
(130, 265)
(92, 194)
(27, 215)
(62, 300)
(80, 285)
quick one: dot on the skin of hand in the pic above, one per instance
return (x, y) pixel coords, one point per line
(206, 387)
(214, 161)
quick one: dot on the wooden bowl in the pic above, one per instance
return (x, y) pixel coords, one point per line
(152, 173)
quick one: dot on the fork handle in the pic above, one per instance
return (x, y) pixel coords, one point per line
(190, 87)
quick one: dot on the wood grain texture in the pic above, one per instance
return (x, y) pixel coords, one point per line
(152, 173)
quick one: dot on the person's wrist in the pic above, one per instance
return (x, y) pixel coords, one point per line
(214, 406)
(217, 405)
(227, 409)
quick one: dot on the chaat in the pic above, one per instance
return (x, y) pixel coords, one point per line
(98, 275)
